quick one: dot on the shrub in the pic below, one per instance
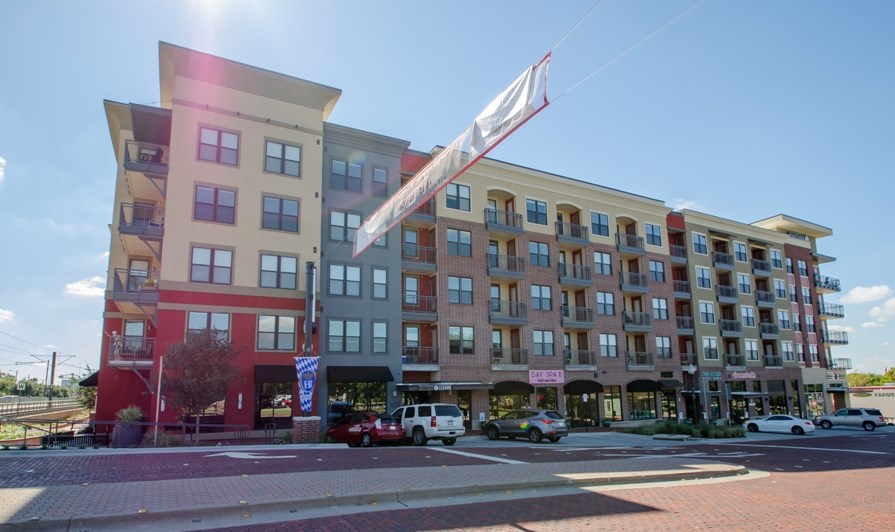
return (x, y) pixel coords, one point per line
(129, 414)
(165, 439)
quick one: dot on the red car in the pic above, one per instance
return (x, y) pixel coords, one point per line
(366, 429)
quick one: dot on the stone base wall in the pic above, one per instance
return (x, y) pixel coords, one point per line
(306, 429)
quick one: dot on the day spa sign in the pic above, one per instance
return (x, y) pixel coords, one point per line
(545, 376)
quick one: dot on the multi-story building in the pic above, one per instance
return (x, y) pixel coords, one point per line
(511, 287)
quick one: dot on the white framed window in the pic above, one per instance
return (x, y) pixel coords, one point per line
(343, 225)
(739, 252)
(543, 343)
(459, 243)
(748, 314)
(783, 319)
(776, 259)
(812, 352)
(536, 211)
(657, 270)
(710, 347)
(461, 340)
(278, 271)
(457, 196)
(700, 245)
(800, 352)
(608, 345)
(706, 312)
(803, 268)
(380, 182)
(751, 349)
(789, 265)
(744, 283)
(806, 295)
(796, 322)
(606, 303)
(788, 354)
(539, 254)
(703, 278)
(779, 288)
(276, 333)
(663, 346)
(809, 323)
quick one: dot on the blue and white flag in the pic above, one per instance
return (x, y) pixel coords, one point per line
(306, 368)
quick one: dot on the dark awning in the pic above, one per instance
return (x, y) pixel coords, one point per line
(276, 373)
(91, 381)
(513, 388)
(670, 383)
(644, 385)
(582, 386)
(358, 374)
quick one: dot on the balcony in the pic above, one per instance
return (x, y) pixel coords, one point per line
(503, 222)
(577, 317)
(765, 299)
(142, 228)
(688, 359)
(826, 284)
(678, 253)
(419, 356)
(731, 328)
(761, 268)
(773, 361)
(726, 294)
(570, 233)
(735, 361)
(629, 244)
(136, 291)
(681, 289)
(638, 361)
(769, 331)
(508, 313)
(831, 310)
(131, 352)
(423, 216)
(632, 282)
(419, 308)
(685, 325)
(580, 359)
(841, 363)
(147, 166)
(508, 356)
(835, 337)
(722, 261)
(507, 267)
(418, 259)
(574, 274)
(637, 321)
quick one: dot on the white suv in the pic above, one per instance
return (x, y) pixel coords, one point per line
(431, 421)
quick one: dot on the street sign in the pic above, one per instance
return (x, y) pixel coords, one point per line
(20, 386)
(711, 375)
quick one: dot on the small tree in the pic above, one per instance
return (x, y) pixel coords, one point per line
(198, 372)
(87, 394)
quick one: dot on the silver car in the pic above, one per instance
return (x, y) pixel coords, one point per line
(866, 418)
(532, 424)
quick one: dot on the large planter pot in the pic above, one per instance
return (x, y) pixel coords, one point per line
(127, 435)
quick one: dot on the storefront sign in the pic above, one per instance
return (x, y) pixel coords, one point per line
(742, 375)
(546, 376)
(712, 375)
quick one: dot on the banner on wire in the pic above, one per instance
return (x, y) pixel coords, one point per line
(306, 368)
(524, 98)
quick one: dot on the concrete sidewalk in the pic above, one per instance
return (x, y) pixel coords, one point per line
(194, 504)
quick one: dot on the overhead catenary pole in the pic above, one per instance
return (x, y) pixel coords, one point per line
(158, 398)
(52, 378)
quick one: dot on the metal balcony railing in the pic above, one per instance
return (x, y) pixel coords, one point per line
(681, 287)
(769, 329)
(835, 337)
(627, 242)
(688, 359)
(726, 292)
(419, 355)
(571, 231)
(573, 272)
(141, 219)
(731, 326)
(827, 283)
(722, 260)
(496, 219)
(508, 309)
(577, 315)
(773, 361)
(505, 264)
(509, 355)
(579, 357)
(685, 322)
(677, 252)
(131, 349)
(417, 253)
(416, 303)
(832, 310)
(734, 360)
(765, 298)
(761, 267)
(637, 319)
(634, 282)
(639, 359)
(135, 285)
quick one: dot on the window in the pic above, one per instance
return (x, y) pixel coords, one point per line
(344, 280)
(699, 244)
(663, 346)
(460, 340)
(796, 322)
(411, 290)
(608, 345)
(457, 197)
(543, 343)
(744, 283)
(800, 352)
(787, 351)
(653, 234)
(380, 337)
(657, 271)
(752, 349)
(792, 293)
(215, 205)
(345, 175)
(380, 283)
(276, 333)
(776, 259)
(460, 290)
(703, 277)
(541, 298)
(211, 265)
(806, 295)
(599, 223)
(602, 263)
(343, 225)
(218, 146)
(789, 265)
(380, 182)
(536, 211)
(803, 268)
(748, 316)
(779, 288)
(710, 348)
(411, 243)
(216, 321)
(459, 242)
(539, 254)
(812, 352)
(282, 159)
(344, 336)
(280, 214)
(739, 251)
(278, 271)
(660, 308)
(411, 337)
(809, 323)
(605, 303)
(783, 319)
(707, 312)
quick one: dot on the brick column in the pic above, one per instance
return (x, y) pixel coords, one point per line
(306, 429)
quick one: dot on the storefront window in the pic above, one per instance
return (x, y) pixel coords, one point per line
(669, 405)
(612, 403)
(759, 401)
(546, 398)
(273, 404)
(642, 405)
(501, 404)
(356, 397)
(796, 398)
(814, 400)
(581, 409)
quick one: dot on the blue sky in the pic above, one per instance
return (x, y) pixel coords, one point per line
(740, 109)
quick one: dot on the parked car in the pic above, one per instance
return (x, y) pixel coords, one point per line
(431, 421)
(366, 429)
(866, 418)
(532, 424)
(779, 423)
(338, 410)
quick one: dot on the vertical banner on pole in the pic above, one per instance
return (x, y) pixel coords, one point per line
(306, 369)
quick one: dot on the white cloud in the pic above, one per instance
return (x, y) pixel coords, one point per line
(841, 328)
(883, 312)
(6, 315)
(866, 294)
(871, 325)
(680, 204)
(2, 168)
(93, 287)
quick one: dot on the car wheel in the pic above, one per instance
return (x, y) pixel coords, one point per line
(798, 431)
(752, 427)
(419, 437)
(825, 424)
(449, 441)
(493, 433)
(535, 436)
(554, 439)
(869, 426)
(366, 440)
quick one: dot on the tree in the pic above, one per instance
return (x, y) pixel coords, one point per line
(198, 372)
(858, 379)
(87, 394)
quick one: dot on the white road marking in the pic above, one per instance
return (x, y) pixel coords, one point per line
(858, 451)
(480, 456)
(250, 456)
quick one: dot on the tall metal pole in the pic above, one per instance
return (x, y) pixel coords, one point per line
(52, 378)
(310, 315)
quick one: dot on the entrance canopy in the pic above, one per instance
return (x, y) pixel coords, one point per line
(513, 388)
(359, 374)
(90, 381)
(644, 385)
(582, 386)
(670, 383)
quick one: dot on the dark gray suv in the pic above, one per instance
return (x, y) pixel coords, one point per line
(866, 418)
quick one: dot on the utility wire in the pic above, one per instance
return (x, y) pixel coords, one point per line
(575, 27)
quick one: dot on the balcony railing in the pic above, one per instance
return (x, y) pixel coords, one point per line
(577, 316)
(769, 330)
(421, 304)
(726, 293)
(146, 157)
(773, 361)
(508, 312)
(637, 321)
(580, 357)
(722, 260)
(571, 232)
(731, 327)
(688, 359)
(765, 299)
(506, 265)
(681, 288)
(417, 253)
(678, 253)
(841, 363)
(141, 220)
(135, 285)
(835, 337)
(827, 283)
(419, 355)
(574, 273)
(634, 282)
(496, 220)
(734, 360)
(761, 267)
(685, 323)
(639, 360)
(831, 310)
(509, 356)
(631, 244)
(427, 208)
(129, 349)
